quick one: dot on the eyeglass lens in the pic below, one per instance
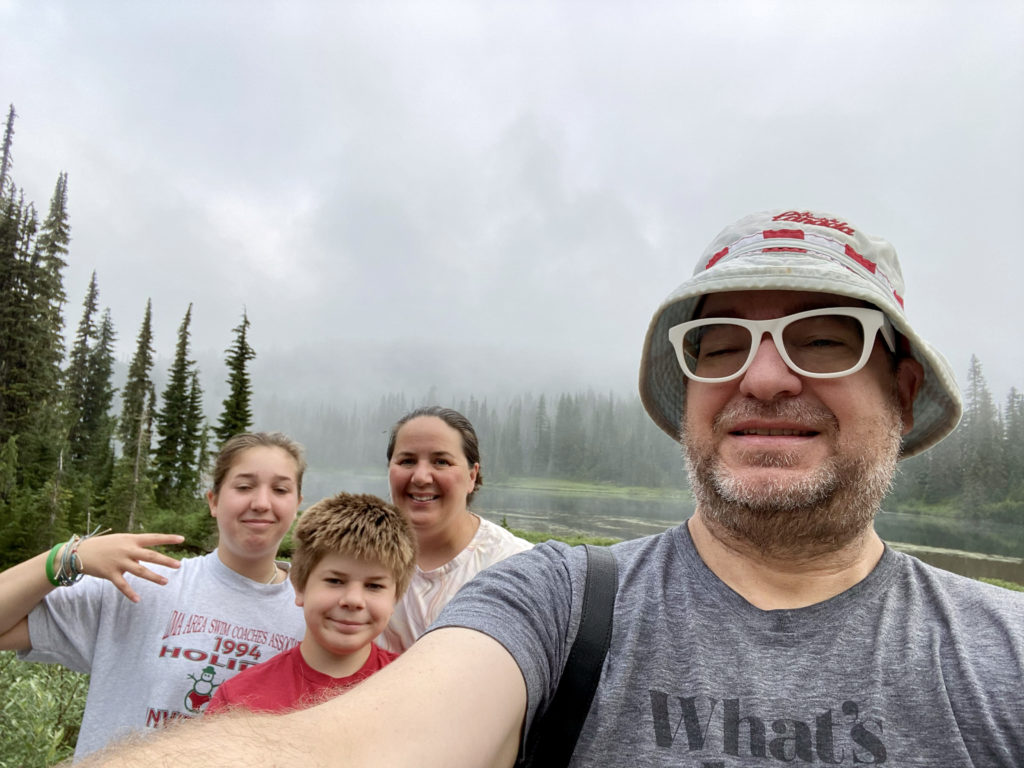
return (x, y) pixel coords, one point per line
(819, 344)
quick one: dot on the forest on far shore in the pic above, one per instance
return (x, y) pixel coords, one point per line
(976, 473)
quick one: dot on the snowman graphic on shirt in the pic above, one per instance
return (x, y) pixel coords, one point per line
(202, 690)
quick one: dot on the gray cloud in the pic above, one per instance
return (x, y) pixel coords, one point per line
(403, 194)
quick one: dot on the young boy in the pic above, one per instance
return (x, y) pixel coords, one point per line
(354, 556)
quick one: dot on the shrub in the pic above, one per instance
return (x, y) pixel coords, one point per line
(41, 712)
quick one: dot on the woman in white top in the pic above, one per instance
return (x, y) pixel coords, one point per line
(434, 471)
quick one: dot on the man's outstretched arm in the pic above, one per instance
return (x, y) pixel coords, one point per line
(456, 699)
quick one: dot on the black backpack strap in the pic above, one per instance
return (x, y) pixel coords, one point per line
(552, 739)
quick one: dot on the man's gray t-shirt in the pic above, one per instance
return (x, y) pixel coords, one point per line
(913, 666)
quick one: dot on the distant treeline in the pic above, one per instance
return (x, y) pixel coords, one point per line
(978, 471)
(583, 436)
(975, 473)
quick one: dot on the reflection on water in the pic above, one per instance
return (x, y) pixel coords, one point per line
(967, 535)
(626, 518)
(618, 517)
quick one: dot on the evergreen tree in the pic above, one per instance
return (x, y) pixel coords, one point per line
(24, 382)
(96, 417)
(33, 505)
(569, 443)
(981, 457)
(134, 425)
(1013, 440)
(237, 414)
(542, 440)
(77, 375)
(89, 396)
(31, 326)
(197, 440)
(13, 317)
(131, 498)
(41, 443)
(174, 458)
(509, 461)
(5, 152)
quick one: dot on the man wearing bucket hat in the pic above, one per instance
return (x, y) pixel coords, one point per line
(774, 626)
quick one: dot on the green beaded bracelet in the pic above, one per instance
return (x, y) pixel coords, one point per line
(49, 565)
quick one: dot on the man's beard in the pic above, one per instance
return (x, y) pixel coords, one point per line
(817, 512)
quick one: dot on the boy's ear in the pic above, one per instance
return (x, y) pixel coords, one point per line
(298, 598)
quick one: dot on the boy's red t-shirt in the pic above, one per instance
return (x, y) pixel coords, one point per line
(287, 682)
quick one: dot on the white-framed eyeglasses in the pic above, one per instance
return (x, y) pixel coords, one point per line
(820, 343)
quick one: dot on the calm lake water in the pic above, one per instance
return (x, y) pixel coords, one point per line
(625, 518)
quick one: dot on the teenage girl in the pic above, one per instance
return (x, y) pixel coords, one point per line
(158, 636)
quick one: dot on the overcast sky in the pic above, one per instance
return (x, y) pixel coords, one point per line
(487, 195)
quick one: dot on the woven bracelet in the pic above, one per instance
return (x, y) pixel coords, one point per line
(70, 571)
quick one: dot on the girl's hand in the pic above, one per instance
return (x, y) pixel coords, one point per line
(111, 556)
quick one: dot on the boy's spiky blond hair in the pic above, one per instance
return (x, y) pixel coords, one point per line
(362, 526)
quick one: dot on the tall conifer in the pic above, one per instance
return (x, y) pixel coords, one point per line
(96, 416)
(174, 458)
(38, 347)
(542, 439)
(237, 414)
(981, 446)
(76, 377)
(5, 149)
(134, 425)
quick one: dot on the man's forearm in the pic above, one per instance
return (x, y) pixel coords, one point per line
(456, 699)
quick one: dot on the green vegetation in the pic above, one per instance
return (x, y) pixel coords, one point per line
(41, 712)
(237, 414)
(1004, 584)
(572, 539)
(68, 462)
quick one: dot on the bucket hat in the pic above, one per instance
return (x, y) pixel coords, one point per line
(797, 251)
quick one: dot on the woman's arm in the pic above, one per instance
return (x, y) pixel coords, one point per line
(23, 586)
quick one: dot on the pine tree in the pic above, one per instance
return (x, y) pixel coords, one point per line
(984, 478)
(542, 440)
(97, 416)
(131, 498)
(19, 390)
(174, 458)
(13, 315)
(77, 375)
(33, 506)
(44, 334)
(134, 425)
(237, 414)
(1013, 438)
(31, 330)
(195, 449)
(5, 152)
(509, 460)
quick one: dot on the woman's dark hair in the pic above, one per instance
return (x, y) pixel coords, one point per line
(455, 420)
